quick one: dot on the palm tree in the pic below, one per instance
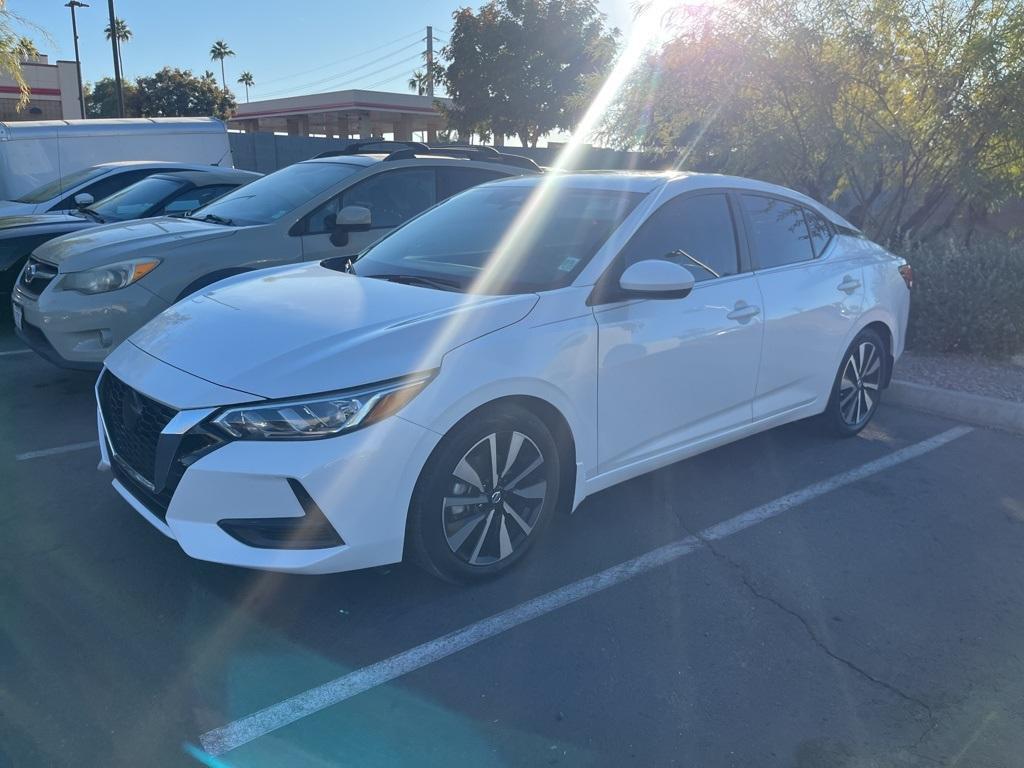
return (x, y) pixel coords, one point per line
(25, 48)
(124, 34)
(418, 82)
(218, 52)
(246, 79)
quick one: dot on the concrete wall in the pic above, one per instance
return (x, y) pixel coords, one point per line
(267, 152)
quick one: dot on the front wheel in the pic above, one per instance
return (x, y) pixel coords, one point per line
(857, 390)
(485, 495)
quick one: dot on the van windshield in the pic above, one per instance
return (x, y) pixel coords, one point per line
(273, 196)
(51, 189)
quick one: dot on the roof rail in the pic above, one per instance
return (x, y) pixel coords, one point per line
(483, 154)
(357, 147)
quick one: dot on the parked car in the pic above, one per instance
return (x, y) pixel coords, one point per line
(81, 295)
(88, 185)
(170, 192)
(34, 154)
(496, 360)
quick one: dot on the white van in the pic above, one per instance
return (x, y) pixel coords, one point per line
(33, 154)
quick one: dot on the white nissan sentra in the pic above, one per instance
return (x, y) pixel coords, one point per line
(491, 363)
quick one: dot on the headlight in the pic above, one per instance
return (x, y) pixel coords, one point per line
(108, 278)
(321, 416)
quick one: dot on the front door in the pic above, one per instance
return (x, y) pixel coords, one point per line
(673, 372)
(393, 197)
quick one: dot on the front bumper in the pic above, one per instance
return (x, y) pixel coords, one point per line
(75, 330)
(362, 482)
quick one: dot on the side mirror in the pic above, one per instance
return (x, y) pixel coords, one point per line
(84, 199)
(656, 279)
(351, 218)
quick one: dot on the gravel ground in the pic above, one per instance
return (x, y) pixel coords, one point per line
(977, 375)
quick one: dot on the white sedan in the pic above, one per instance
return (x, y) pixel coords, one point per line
(495, 361)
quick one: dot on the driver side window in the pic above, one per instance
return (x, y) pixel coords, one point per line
(696, 232)
(393, 197)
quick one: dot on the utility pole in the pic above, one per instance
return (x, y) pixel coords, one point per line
(73, 4)
(430, 62)
(115, 46)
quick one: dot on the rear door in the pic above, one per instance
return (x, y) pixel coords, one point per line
(673, 372)
(813, 294)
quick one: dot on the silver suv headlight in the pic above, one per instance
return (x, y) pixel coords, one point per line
(320, 416)
(110, 277)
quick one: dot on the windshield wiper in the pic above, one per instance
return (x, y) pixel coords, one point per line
(213, 218)
(696, 262)
(430, 282)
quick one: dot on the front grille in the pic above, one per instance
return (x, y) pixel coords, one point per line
(134, 423)
(133, 451)
(36, 276)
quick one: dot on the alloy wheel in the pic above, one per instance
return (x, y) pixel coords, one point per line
(496, 494)
(860, 384)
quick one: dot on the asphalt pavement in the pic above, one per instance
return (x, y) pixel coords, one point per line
(788, 600)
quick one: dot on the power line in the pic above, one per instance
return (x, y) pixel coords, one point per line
(345, 60)
(335, 77)
(387, 79)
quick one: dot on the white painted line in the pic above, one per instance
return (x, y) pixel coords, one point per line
(54, 451)
(228, 737)
(5, 353)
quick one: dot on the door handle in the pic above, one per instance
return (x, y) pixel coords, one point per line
(744, 313)
(849, 284)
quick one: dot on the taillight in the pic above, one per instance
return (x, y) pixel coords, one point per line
(907, 273)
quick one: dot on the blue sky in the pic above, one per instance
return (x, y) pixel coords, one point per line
(292, 47)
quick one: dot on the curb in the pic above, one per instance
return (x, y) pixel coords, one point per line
(974, 409)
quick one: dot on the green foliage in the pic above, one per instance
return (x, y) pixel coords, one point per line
(903, 115)
(967, 299)
(517, 66)
(14, 47)
(168, 93)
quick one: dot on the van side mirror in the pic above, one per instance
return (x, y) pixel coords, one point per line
(351, 218)
(656, 279)
(84, 200)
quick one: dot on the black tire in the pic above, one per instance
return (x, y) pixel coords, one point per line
(465, 543)
(857, 389)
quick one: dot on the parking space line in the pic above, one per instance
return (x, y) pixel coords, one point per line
(220, 740)
(54, 451)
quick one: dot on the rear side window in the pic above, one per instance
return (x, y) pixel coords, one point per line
(195, 198)
(697, 232)
(451, 181)
(820, 230)
(778, 233)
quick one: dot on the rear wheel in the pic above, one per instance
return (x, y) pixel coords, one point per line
(857, 390)
(485, 495)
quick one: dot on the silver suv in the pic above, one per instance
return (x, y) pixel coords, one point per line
(81, 295)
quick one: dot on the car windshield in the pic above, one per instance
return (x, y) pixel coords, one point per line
(273, 196)
(136, 200)
(503, 238)
(51, 189)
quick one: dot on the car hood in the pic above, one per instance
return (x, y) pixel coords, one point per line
(14, 208)
(16, 226)
(109, 243)
(299, 330)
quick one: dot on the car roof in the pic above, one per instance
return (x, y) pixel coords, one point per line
(155, 164)
(211, 175)
(648, 181)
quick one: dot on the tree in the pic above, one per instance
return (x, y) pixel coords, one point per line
(518, 66)
(246, 79)
(904, 116)
(11, 51)
(173, 92)
(27, 48)
(420, 79)
(218, 52)
(123, 33)
(101, 98)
